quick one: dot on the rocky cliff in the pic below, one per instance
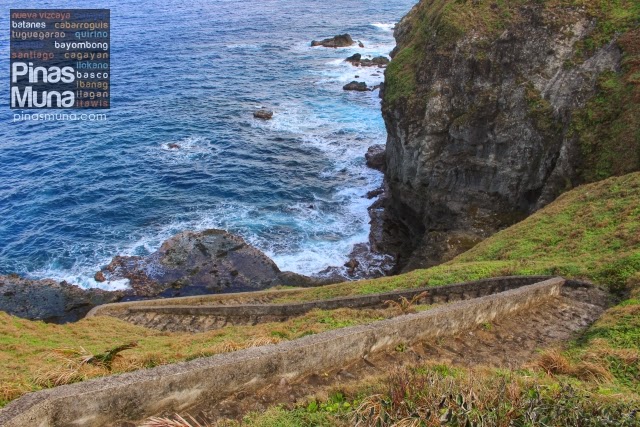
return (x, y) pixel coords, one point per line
(495, 108)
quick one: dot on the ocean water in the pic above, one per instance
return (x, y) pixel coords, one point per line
(73, 194)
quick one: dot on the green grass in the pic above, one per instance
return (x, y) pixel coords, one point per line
(434, 26)
(592, 232)
(614, 342)
(438, 395)
(612, 17)
(400, 80)
(595, 382)
(280, 417)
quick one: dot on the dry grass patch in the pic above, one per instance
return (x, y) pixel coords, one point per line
(554, 362)
(37, 355)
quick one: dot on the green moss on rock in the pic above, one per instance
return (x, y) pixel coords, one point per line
(400, 80)
(435, 26)
(608, 127)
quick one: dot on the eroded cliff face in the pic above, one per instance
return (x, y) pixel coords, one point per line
(488, 108)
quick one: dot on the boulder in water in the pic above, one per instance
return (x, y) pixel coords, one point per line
(357, 86)
(341, 40)
(196, 263)
(355, 58)
(378, 61)
(263, 114)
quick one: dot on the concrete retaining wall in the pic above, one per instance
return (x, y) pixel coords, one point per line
(176, 388)
(185, 316)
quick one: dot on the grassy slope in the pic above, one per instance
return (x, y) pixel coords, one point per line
(592, 232)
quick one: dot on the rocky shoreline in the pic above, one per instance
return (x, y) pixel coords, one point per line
(205, 262)
(190, 263)
(212, 261)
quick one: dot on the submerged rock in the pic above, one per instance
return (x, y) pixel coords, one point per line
(341, 40)
(364, 263)
(351, 265)
(48, 300)
(355, 58)
(263, 114)
(357, 86)
(374, 193)
(379, 61)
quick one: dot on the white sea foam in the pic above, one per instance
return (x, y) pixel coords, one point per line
(186, 149)
(384, 26)
(190, 144)
(243, 46)
(344, 72)
(305, 237)
(80, 275)
(291, 118)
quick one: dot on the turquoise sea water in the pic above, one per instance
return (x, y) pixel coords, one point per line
(74, 194)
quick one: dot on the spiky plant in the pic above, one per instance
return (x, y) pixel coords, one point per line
(404, 305)
(174, 421)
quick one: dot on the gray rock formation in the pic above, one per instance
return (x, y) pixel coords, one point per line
(192, 263)
(356, 86)
(189, 263)
(378, 61)
(263, 114)
(375, 157)
(354, 59)
(341, 40)
(49, 300)
(479, 125)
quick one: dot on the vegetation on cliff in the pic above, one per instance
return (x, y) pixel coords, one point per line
(607, 128)
(590, 233)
